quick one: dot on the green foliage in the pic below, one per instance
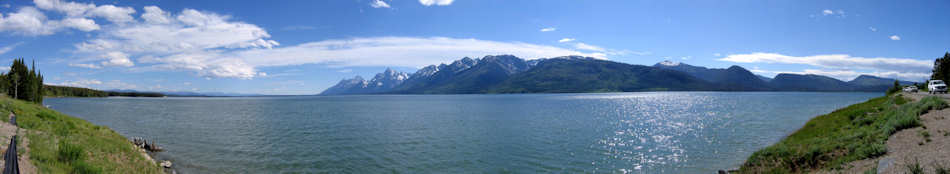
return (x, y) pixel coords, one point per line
(66, 91)
(852, 133)
(23, 83)
(69, 153)
(84, 168)
(894, 89)
(915, 168)
(941, 70)
(55, 141)
(940, 169)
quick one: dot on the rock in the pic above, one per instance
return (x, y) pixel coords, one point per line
(883, 164)
(723, 172)
(166, 164)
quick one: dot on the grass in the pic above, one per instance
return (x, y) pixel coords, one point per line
(852, 133)
(915, 168)
(59, 143)
(940, 169)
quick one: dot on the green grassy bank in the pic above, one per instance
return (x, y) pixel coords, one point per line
(856, 132)
(58, 143)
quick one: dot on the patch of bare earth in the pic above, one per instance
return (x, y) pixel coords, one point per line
(7, 131)
(911, 146)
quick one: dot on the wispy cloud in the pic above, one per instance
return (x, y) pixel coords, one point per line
(848, 75)
(548, 29)
(895, 37)
(828, 12)
(398, 51)
(8, 48)
(85, 65)
(212, 45)
(838, 61)
(566, 40)
(379, 4)
(872, 29)
(583, 46)
(436, 2)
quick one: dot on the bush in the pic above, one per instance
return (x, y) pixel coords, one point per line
(69, 153)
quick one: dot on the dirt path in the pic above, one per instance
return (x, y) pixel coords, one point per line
(911, 146)
(7, 131)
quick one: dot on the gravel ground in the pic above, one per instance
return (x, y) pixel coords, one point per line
(911, 145)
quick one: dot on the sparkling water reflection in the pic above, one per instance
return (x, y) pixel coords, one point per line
(651, 132)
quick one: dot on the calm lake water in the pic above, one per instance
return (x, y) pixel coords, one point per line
(650, 132)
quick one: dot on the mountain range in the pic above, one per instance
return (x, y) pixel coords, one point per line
(576, 74)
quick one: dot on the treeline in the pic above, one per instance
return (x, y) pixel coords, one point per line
(23, 82)
(68, 91)
(26, 83)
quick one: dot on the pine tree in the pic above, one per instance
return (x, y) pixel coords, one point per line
(941, 69)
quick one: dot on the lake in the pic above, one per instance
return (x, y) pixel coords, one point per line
(643, 132)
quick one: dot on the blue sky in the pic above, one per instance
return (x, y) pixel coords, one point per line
(303, 47)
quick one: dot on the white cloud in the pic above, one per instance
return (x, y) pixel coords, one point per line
(155, 15)
(436, 2)
(828, 12)
(8, 48)
(27, 21)
(872, 29)
(213, 45)
(113, 13)
(566, 40)
(6, 5)
(85, 83)
(81, 24)
(188, 40)
(85, 65)
(30, 21)
(394, 51)
(717, 54)
(69, 8)
(548, 29)
(848, 75)
(895, 37)
(345, 71)
(583, 46)
(117, 59)
(838, 61)
(379, 4)
(97, 84)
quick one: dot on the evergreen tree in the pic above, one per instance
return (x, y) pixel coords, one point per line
(941, 69)
(23, 82)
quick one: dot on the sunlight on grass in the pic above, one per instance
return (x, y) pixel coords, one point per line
(853, 133)
(60, 143)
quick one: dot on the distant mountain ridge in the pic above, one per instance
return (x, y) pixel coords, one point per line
(572, 74)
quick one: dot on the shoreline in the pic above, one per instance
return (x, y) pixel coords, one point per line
(58, 143)
(850, 139)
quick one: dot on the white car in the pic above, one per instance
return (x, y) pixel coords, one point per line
(936, 86)
(910, 89)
